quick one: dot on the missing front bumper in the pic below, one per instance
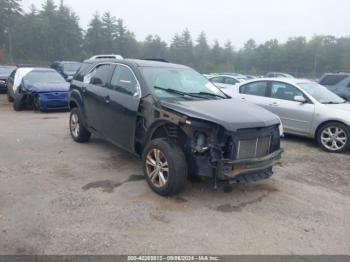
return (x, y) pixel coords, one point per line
(234, 169)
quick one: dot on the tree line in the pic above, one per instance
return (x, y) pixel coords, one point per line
(53, 33)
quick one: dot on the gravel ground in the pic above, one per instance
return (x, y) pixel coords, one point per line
(60, 197)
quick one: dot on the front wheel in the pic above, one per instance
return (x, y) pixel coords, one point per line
(77, 130)
(334, 137)
(9, 98)
(18, 103)
(165, 167)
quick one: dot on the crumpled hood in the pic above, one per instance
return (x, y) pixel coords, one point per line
(47, 87)
(232, 114)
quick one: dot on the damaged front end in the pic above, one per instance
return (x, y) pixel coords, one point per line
(246, 155)
(241, 155)
(43, 100)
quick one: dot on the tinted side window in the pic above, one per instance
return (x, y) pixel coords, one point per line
(100, 76)
(349, 84)
(230, 81)
(331, 80)
(82, 71)
(255, 89)
(219, 80)
(284, 91)
(123, 80)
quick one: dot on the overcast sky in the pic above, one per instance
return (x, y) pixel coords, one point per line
(235, 20)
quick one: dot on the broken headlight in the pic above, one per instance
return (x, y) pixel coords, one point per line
(200, 143)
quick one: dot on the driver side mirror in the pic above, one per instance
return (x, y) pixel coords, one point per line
(300, 99)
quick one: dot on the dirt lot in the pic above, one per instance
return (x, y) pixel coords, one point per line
(59, 197)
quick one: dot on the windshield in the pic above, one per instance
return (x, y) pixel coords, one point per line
(321, 93)
(182, 81)
(36, 77)
(6, 70)
(71, 67)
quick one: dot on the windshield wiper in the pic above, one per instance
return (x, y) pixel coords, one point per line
(174, 91)
(208, 94)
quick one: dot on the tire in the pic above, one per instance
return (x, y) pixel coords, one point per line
(77, 130)
(9, 98)
(334, 137)
(18, 103)
(171, 158)
(36, 104)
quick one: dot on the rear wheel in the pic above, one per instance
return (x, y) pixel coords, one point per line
(165, 167)
(334, 137)
(18, 103)
(77, 130)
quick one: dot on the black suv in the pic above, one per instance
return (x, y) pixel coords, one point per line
(176, 120)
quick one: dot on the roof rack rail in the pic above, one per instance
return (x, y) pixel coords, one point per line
(26, 65)
(156, 60)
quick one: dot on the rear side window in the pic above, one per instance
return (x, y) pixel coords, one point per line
(101, 75)
(255, 89)
(219, 80)
(123, 80)
(230, 81)
(331, 80)
(82, 71)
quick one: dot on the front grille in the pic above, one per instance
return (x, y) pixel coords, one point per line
(56, 95)
(253, 148)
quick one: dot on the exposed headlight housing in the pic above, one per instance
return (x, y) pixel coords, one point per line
(2, 82)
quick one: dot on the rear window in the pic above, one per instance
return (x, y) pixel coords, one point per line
(331, 80)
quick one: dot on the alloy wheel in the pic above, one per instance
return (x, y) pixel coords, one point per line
(334, 138)
(157, 168)
(74, 125)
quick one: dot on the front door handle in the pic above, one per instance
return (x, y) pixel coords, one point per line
(107, 99)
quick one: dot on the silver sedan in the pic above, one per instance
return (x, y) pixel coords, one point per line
(305, 108)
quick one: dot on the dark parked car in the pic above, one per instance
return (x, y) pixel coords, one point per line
(41, 88)
(278, 75)
(176, 120)
(5, 72)
(338, 83)
(66, 68)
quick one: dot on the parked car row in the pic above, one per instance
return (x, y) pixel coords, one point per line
(180, 123)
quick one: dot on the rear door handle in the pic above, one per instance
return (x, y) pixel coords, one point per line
(107, 99)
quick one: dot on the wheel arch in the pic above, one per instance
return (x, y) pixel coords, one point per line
(164, 129)
(325, 123)
(75, 100)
